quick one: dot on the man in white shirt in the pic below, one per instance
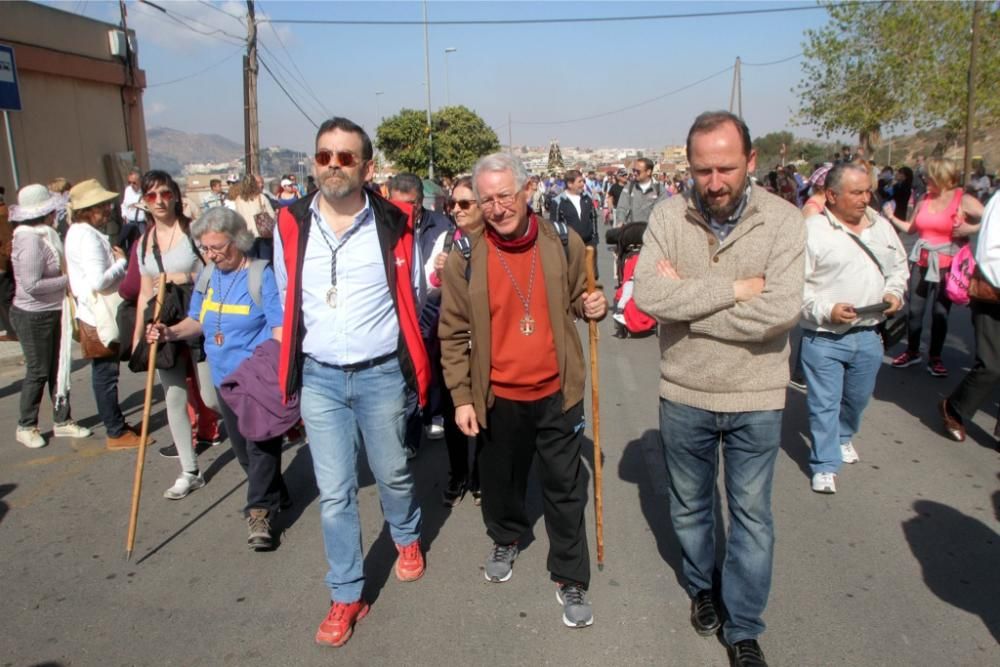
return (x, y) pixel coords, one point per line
(132, 210)
(854, 259)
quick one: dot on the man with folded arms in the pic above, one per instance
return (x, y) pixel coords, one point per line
(721, 269)
(854, 259)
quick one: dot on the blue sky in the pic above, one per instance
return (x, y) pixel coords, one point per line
(536, 73)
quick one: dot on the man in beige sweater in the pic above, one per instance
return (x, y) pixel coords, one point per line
(722, 271)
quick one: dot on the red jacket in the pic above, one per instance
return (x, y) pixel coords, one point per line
(395, 236)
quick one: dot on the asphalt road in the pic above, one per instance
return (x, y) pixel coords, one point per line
(898, 568)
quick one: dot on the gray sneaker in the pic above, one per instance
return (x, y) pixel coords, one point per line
(500, 562)
(577, 612)
(260, 530)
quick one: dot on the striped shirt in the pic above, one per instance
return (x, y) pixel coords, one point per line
(40, 283)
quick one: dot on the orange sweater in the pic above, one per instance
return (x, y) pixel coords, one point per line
(522, 368)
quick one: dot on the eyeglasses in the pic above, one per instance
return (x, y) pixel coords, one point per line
(503, 201)
(165, 196)
(207, 249)
(342, 158)
(464, 204)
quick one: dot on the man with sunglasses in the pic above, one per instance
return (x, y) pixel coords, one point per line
(428, 226)
(514, 364)
(636, 201)
(351, 349)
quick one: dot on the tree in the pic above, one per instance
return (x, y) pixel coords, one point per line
(768, 149)
(879, 65)
(460, 138)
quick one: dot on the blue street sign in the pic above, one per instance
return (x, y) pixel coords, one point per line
(10, 97)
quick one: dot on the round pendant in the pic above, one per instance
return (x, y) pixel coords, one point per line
(527, 325)
(331, 296)
(219, 338)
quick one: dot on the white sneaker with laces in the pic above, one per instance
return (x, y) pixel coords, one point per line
(184, 485)
(30, 437)
(848, 454)
(71, 430)
(824, 482)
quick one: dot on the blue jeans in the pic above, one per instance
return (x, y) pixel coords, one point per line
(750, 441)
(104, 381)
(840, 372)
(341, 409)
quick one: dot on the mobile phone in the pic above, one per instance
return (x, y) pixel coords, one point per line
(873, 309)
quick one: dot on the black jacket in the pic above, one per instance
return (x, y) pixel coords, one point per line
(585, 226)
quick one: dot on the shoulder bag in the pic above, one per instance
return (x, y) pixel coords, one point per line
(265, 222)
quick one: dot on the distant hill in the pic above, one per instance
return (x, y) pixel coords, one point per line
(171, 149)
(985, 143)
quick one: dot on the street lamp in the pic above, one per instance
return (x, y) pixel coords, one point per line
(447, 86)
(378, 118)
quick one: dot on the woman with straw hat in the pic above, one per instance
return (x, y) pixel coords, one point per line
(95, 268)
(37, 315)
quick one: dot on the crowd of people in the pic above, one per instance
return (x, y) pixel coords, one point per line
(374, 316)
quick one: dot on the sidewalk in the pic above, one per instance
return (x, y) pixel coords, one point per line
(10, 354)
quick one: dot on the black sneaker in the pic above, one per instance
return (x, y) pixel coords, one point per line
(747, 653)
(260, 530)
(453, 495)
(169, 452)
(704, 614)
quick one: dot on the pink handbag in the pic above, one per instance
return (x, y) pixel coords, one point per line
(956, 284)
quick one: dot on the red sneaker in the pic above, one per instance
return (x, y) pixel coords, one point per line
(907, 358)
(936, 368)
(338, 625)
(410, 564)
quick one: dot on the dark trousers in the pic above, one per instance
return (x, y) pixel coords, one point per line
(984, 376)
(104, 380)
(39, 333)
(922, 293)
(261, 461)
(517, 431)
(6, 300)
(458, 447)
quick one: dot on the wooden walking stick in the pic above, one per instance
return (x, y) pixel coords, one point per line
(595, 399)
(147, 404)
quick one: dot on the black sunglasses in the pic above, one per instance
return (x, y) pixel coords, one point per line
(464, 204)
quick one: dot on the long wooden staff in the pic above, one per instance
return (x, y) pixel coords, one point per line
(147, 404)
(595, 399)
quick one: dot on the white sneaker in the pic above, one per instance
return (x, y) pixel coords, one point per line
(71, 430)
(184, 485)
(435, 431)
(30, 437)
(848, 454)
(824, 482)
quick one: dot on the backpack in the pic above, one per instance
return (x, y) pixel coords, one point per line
(464, 244)
(255, 279)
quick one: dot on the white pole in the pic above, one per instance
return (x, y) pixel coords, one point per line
(427, 69)
(10, 150)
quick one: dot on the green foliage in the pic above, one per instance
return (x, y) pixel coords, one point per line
(768, 149)
(875, 66)
(460, 138)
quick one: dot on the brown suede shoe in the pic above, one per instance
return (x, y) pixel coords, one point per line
(953, 426)
(127, 440)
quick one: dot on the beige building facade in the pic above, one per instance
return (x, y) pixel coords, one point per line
(81, 113)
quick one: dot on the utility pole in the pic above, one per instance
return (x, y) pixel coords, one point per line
(736, 95)
(971, 109)
(251, 131)
(427, 71)
(510, 136)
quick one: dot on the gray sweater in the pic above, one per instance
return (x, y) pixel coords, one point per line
(717, 354)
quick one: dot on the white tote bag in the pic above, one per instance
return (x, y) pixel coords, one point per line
(105, 309)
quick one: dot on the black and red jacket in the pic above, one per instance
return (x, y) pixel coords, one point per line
(395, 235)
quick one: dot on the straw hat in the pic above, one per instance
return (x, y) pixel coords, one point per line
(89, 193)
(33, 201)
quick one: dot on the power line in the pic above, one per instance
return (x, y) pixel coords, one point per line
(565, 20)
(240, 19)
(215, 29)
(199, 72)
(291, 77)
(302, 78)
(190, 27)
(287, 94)
(653, 99)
